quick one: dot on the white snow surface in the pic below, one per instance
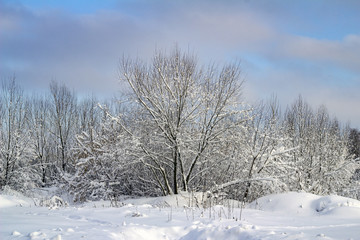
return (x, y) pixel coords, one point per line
(280, 216)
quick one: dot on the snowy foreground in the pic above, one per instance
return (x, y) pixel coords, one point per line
(282, 216)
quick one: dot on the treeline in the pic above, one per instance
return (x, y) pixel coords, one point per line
(176, 127)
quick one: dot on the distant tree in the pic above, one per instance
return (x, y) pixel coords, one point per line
(14, 139)
(354, 150)
(354, 142)
(264, 151)
(41, 142)
(63, 120)
(298, 123)
(89, 114)
(322, 163)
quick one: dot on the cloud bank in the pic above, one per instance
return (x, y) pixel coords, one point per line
(285, 49)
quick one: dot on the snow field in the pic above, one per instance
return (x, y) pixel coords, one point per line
(281, 216)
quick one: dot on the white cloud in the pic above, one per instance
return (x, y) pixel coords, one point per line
(345, 53)
(83, 50)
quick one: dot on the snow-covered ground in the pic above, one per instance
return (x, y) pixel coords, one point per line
(282, 216)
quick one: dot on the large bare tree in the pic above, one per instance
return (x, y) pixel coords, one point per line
(183, 111)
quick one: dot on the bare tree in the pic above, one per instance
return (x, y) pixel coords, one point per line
(322, 161)
(63, 117)
(354, 143)
(41, 144)
(263, 150)
(182, 107)
(298, 123)
(89, 114)
(14, 137)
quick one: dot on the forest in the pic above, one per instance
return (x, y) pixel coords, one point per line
(176, 126)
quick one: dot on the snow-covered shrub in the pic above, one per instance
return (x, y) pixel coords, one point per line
(103, 168)
(53, 202)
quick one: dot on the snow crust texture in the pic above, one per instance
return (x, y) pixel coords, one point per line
(280, 216)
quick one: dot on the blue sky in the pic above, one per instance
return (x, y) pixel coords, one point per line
(286, 47)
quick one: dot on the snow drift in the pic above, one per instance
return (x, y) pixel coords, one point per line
(306, 204)
(279, 216)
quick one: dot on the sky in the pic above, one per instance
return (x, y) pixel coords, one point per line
(286, 48)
